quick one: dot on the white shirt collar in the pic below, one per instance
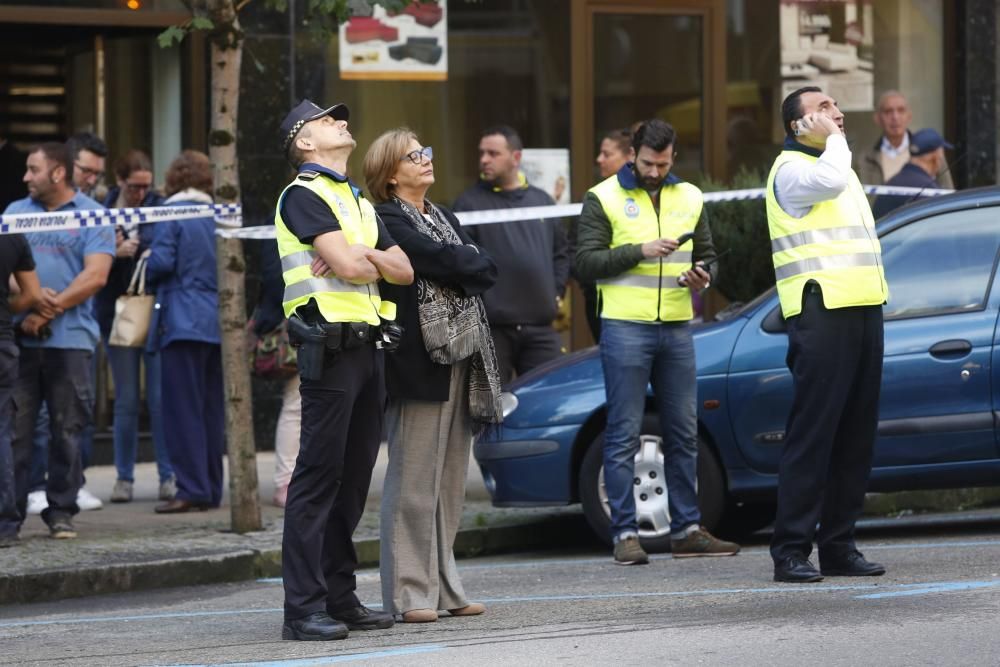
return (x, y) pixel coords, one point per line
(893, 151)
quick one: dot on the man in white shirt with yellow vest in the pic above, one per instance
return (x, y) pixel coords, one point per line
(333, 251)
(831, 284)
(628, 243)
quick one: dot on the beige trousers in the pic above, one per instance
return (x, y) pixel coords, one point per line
(429, 445)
(286, 435)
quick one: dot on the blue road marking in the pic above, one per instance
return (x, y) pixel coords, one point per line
(926, 589)
(330, 659)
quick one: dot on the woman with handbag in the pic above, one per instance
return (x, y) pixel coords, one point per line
(134, 174)
(185, 331)
(442, 381)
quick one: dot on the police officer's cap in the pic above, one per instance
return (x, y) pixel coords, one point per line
(306, 111)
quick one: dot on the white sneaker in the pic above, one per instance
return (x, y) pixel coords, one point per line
(86, 500)
(37, 502)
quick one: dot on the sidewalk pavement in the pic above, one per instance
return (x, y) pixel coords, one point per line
(126, 546)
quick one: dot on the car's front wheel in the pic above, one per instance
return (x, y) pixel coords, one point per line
(651, 493)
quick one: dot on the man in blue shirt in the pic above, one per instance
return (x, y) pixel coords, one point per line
(927, 159)
(57, 339)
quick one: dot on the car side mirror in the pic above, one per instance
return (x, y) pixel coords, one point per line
(774, 322)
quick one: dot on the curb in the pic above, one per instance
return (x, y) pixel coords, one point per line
(250, 564)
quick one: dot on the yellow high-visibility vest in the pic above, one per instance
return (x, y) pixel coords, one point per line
(338, 300)
(649, 291)
(834, 244)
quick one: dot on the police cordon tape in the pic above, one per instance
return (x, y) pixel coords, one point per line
(229, 217)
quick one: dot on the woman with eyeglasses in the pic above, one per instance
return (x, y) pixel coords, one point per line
(134, 177)
(443, 383)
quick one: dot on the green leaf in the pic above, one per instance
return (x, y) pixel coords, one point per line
(201, 23)
(170, 36)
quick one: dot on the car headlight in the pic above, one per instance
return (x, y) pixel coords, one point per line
(508, 403)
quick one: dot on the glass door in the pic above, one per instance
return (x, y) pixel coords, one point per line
(651, 66)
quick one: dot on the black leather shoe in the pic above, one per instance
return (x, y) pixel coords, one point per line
(317, 627)
(853, 564)
(363, 618)
(796, 570)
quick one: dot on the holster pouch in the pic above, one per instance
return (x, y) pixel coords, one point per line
(311, 342)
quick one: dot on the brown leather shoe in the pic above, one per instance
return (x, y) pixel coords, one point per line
(420, 616)
(471, 609)
(179, 506)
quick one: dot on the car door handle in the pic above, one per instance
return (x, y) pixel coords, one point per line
(951, 348)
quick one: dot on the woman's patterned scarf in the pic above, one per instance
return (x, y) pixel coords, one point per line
(455, 327)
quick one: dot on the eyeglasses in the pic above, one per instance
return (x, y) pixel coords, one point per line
(138, 187)
(416, 157)
(89, 171)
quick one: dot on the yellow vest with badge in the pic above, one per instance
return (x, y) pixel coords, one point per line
(834, 244)
(338, 300)
(649, 291)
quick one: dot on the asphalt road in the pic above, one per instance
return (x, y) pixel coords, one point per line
(938, 605)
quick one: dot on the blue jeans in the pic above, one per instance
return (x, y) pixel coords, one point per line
(10, 518)
(125, 372)
(633, 355)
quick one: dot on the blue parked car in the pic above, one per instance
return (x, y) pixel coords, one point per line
(938, 414)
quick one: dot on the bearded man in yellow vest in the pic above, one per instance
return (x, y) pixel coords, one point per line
(638, 233)
(333, 252)
(831, 284)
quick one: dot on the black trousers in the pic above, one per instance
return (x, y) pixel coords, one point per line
(62, 379)
(836, 361)
(342, 416)
(522, 347)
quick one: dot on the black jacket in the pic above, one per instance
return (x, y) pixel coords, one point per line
(531, 255)
(409, 372)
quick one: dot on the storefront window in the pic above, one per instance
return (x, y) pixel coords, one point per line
(854, 49)
(508, 62)
(633, 83)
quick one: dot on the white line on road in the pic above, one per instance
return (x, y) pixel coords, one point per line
(331, 659)
(905, 589)
(589, 561)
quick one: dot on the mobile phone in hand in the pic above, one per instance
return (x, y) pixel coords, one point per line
(684, 238)
(706, 264)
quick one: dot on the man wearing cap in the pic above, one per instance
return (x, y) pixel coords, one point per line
(882, 161)
(831, 285)
(926, 159)
(333, 252)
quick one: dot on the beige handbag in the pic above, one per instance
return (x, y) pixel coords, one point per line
(133, 311)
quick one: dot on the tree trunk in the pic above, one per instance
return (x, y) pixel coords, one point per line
(226, 56)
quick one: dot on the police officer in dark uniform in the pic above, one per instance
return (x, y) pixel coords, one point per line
(333, 251)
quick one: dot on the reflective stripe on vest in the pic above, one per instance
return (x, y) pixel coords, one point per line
(649, 291)
(835, 244)
(338, 300)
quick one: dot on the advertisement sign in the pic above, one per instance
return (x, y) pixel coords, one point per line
(409, 45)
(548, 169)
(829, 43)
